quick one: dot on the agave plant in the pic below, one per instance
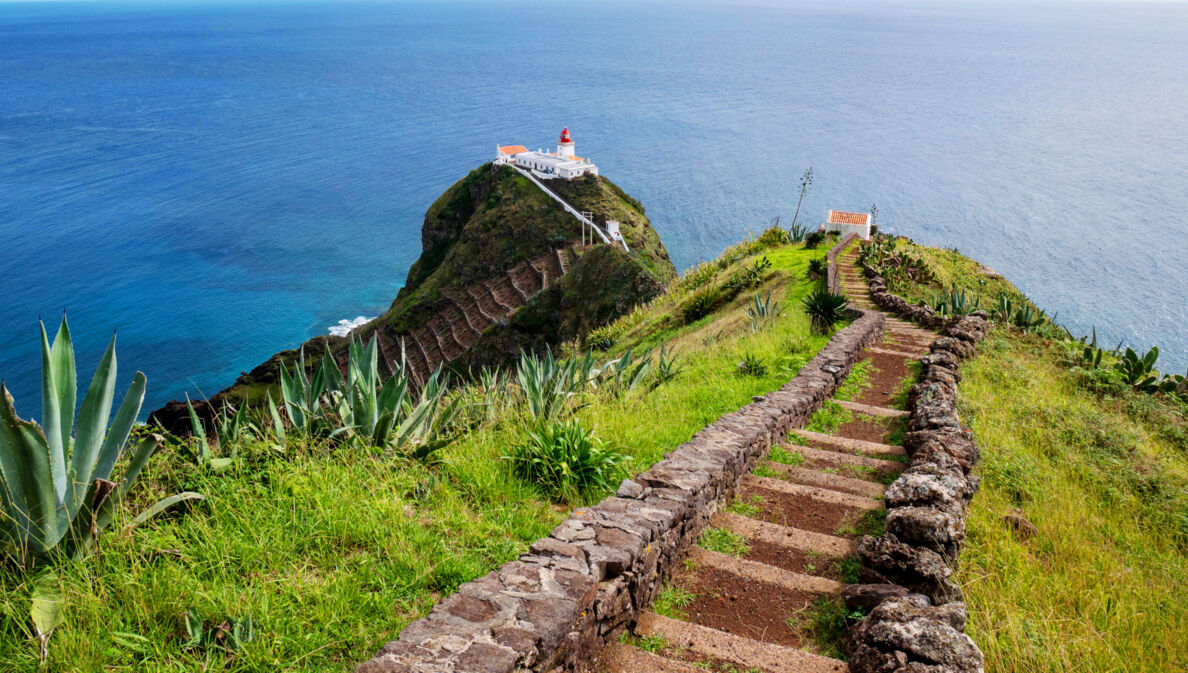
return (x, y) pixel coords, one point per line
(548, 386)
(955, 303)
(1028, 319)
(762, 311)
(1091, 355)
(825, 309)
(364, 405)
(668, 367)
(1004, 308)
(624, 373)
(55, 492)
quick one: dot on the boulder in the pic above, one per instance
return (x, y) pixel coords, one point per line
(935, 529)
(867, 597)
(886, 560)
(906, 634)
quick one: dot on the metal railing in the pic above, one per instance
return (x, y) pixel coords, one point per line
(584, 219)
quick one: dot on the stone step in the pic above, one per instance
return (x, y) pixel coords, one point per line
(824, 495)
(850, 444)
(914, 355)
(761, 572)
(804, 475)
(623, 658)
(748, 653)
(838, 458)
(785, 536)
(871, 410)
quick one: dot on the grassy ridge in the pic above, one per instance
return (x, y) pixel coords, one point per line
(333, 552)
(1100, 586)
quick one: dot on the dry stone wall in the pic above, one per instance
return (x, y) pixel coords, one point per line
(916, 620)
(577, 589)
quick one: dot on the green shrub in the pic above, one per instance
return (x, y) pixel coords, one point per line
(817, 268)
(564, 461)
(745, 278)
(774, 236)
(812, 240)
(700, 305)
(751, 365)
(825, 310)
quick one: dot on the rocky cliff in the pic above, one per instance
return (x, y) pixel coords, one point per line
(502, 269)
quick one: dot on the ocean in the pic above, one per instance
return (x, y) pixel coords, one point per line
(216, 182)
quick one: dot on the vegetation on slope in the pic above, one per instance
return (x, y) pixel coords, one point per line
(329, 547)
(1077, 552)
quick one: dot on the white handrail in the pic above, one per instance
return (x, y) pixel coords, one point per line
(568, 208)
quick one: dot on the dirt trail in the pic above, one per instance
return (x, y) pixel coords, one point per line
(782, 552)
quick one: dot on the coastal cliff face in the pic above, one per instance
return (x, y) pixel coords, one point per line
(501, 269)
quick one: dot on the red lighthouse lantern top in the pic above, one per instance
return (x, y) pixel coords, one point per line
(565, 135)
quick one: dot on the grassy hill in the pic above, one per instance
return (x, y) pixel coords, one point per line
(332, 547)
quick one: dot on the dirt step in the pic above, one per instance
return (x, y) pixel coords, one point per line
(915, 355)
(762, 572)
(717, 644)
(785, 536)
(623, 658)
(824, 495)
(836, 482)
(871, 410)
(845, 459)
(851, 445)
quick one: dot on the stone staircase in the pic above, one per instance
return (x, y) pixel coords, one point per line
(471, 309)
(800, 521)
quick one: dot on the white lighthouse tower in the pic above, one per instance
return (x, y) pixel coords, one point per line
(565, 145)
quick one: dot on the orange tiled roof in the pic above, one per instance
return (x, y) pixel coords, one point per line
(842, 217)
(512, 149)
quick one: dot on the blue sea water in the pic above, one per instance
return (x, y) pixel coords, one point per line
(221, 181)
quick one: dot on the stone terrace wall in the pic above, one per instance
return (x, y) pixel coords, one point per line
(576, 590)
(916, 619)
(833, 275)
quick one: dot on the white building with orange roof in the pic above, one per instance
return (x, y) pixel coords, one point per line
(547, 165)
(849, 223)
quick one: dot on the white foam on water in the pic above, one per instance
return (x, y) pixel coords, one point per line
(344, 327)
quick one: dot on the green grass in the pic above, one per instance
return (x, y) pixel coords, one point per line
(671, 599)
(848, 568)
(654, 644)
(857, 381)
(1101, 587)
(829, 418)
(333, 551)
(767, 471)
(725, 542)
(783, 456)
(826, 621)
(752, 506)
(869, 523)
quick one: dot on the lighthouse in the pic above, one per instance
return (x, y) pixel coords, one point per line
(562, 164)
(565, 145)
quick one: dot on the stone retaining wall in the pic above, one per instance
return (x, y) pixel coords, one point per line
(916, 620)
(576, 590)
